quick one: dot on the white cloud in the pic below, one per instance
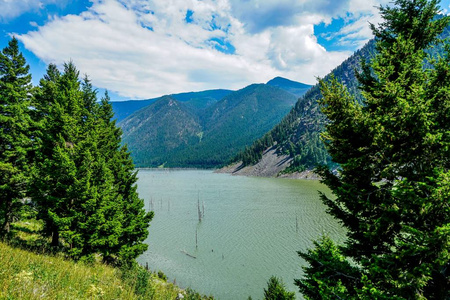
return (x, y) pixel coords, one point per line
(143, 49)
(362, 13)
(10, 9)
(445, 6)
(294, 46)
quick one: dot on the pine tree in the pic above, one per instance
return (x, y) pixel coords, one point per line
(328, 274)
(277, 291)
(53, 189)
(15, 138)
(392, 191)
(135, 219)
(84, 181)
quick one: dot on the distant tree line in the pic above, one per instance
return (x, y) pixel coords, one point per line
(61, 155)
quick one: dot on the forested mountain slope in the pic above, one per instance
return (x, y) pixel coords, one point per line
(172, 133)
(236, 121)
(123, 109)
(155, 131)
(298, 134)
(293, 87)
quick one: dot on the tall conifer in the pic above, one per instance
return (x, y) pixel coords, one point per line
(392, 189)
(135, 219)
(84, 181)
(15, 138)
(59, 103)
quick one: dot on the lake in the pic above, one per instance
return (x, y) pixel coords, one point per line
(251, 228)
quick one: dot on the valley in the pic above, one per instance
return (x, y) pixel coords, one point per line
(203, 129)
(103, 199)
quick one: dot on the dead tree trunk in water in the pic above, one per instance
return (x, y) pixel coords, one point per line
(196, 238)
(198, 208)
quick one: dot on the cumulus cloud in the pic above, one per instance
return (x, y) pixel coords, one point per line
(143, 49)
(259, 15)
(109, 43)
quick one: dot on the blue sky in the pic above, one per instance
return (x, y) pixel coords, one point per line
(139, 49)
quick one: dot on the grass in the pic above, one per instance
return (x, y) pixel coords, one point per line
(25, 274)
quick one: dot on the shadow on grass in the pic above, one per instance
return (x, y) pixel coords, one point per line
(27, 235)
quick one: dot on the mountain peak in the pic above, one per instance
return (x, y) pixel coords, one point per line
(284, 81)
(293, 87)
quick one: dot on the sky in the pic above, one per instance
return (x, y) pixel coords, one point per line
(140, 49)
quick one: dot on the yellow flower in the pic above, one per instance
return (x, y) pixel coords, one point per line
(24, 276)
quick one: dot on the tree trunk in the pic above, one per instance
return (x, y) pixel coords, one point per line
(440, 287)
(55, 238)
(6, 226)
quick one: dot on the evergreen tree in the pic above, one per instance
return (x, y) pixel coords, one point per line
(59, 104)
(392, 190)
(277, 291)
(84, 180)
(329, 275)
(135, 219)
(15, 139)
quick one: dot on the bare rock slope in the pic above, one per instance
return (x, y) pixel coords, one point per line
(270, 165)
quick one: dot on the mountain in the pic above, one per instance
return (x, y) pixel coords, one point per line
(123, 109)
(174, 133)
(237, 120)
(293, 87)
(199, 100)
(297, 136)
(157, 130)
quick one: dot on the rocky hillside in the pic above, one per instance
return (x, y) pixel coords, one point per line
(298, 134)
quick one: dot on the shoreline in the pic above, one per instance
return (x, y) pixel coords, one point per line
(250, 171)
(271, 165)
(175, 169)
(234, 170)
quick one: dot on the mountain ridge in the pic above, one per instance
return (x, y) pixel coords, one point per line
(202, 99)
(123, 109)
(203, 136)
(298, 134)
(294, 87)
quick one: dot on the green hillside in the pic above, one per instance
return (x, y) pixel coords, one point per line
(200, 100)
(298, 134)
(156, 131)
(175, 134)
(30, 270)
(27, 275)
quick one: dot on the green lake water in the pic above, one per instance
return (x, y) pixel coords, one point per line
(252, 228)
